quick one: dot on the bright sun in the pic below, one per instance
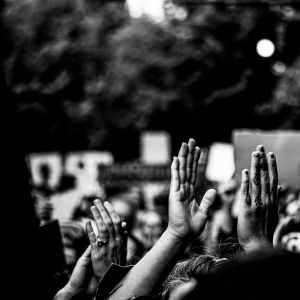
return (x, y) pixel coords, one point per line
(152, 8)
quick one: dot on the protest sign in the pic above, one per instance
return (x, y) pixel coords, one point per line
(285, 144)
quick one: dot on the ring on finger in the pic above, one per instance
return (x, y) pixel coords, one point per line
(101, 242)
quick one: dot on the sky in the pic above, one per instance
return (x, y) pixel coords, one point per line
(153, 8)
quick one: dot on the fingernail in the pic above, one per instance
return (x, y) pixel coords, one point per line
(246, 172)
(196, 150)
(272, 155)
(97, 201)
(261, 148)
(256, 154)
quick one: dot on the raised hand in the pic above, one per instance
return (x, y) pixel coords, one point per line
(110, 244)
(258, 215)
(187, 219)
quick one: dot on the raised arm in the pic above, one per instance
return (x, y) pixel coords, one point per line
(80, 279)
(107, 246)
(186, 221)
(258, 215)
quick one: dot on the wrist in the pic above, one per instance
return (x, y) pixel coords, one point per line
(175, 239)
(70, 292)
(255, 245)
(63, 294)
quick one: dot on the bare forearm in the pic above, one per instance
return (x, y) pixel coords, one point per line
(149, 273)
(257, 245)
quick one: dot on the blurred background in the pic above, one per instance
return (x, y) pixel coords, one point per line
(107, 90)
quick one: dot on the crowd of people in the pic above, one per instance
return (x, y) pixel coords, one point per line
(237, 241)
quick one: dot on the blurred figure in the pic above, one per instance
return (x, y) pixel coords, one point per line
(43, 205)
(45, 173)
(75, 241)
(289, 203)
(135, 196)
(287, 234)
(293, 204)
(160, 202)
(51, 243)
(83, 213)
(153, 226)
(127, 211)
(222, 222)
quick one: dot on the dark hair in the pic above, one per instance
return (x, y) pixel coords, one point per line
(269, 274)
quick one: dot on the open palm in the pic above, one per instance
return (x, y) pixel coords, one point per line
(187, 218)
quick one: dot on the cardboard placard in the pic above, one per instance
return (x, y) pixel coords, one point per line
(285, 145)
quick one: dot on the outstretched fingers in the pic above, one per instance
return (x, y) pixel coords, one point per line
(175, 179)
(102, 230)
(190, 159)
(91, 235)
(197, 153)
(245, 195)
(116, 220)
(106, 218)
(273, 173)
(264, 175)
(182, 156)
(255, 180)
(273, 213)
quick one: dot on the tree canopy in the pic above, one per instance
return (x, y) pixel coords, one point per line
(85, 74)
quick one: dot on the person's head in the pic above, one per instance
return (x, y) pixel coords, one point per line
(269, 274)
(227, 191)
(135, 197)
(183, 275)
(152, 227)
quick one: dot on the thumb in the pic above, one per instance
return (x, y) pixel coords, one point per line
(85, 258)
(201, 216)
(207, 200)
